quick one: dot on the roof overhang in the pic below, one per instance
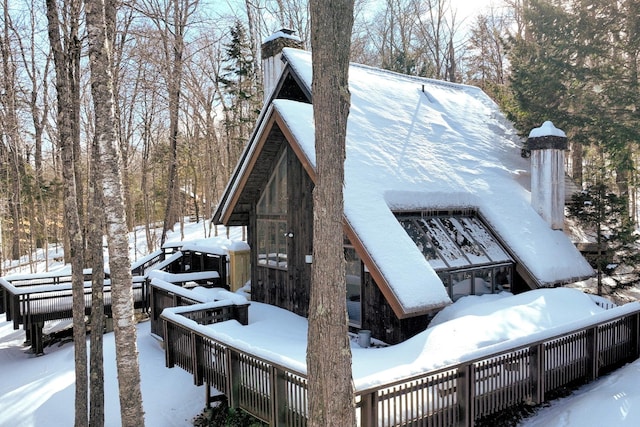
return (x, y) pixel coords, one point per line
(382, 282)
(233, 209)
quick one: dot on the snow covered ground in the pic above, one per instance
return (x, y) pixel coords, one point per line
(39, 391)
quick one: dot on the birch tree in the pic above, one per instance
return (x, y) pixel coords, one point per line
(331, 401)
(101, 15)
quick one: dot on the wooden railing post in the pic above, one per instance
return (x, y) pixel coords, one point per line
(168, 346)
(196, 351)
(146, 285)
(537, 372)
(635, 337)
(36, 338)
(241, 313)
(278, 384)
(233, 378)
(466, 395)
(153, 314)
(223, 270)
(593, 353)
(368, 409)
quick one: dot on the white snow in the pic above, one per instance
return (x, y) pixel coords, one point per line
(547, 129)
(39, 391)
(420, 144)
(281, 34)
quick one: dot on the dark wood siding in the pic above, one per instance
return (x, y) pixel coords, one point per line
(300, 219)
(259, 176)
(288, 289)
(379, 318)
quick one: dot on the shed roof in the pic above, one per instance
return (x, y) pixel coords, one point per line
(420, 144)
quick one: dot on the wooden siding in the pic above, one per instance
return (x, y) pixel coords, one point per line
(288, 289)
(270, 146)
(379, 318)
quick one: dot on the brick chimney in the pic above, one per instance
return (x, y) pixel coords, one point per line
(547, 145)
(272, 65)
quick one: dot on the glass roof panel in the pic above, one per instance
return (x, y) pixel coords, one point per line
(454, 241)
(423, 242)
(487, 242)
(463, 238)
(448, 249)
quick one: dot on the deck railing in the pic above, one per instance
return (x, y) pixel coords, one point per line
(498, 377)
(31, 300)
(164, 295)
(43, 289)
(267, 390)
(33, 305)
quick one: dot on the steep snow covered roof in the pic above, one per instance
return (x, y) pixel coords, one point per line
(420, 144)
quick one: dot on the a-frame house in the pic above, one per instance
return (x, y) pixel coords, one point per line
(437, 198)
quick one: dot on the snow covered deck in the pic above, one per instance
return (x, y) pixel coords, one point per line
(477, 370)
(50, 298)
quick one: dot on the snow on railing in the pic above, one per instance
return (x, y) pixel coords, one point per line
(489, 380)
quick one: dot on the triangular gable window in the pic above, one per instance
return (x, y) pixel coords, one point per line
(461, 249)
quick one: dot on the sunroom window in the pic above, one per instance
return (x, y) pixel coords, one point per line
(468, 258)
(271, 219)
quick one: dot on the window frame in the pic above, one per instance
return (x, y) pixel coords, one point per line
(498, 257)
(272, 229)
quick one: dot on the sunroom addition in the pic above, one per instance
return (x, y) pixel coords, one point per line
(467, 257)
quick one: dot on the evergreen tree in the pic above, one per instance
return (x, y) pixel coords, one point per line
(605, 214)
(575, 63)
(541, 67)
(240, 85)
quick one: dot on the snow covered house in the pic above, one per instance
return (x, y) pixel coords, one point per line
(437, 200)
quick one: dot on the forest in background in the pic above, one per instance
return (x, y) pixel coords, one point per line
(187, 77)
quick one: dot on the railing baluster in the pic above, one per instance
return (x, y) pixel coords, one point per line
(454, 396)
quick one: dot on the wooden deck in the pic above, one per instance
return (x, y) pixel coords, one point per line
(458, 395)
(30, 300)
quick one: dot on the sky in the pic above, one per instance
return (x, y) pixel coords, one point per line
(469, 8)
(39, 391)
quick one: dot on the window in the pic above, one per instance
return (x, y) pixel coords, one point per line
(271, 222)
(353, 276)
(462, 250)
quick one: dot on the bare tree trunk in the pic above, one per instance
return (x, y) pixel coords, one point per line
(64, 64)
(96, 233)
(180, 16)
(146, 148)
(101, 15)
(39, 79)
(96, 259)
(10, 130)
(331, 399)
